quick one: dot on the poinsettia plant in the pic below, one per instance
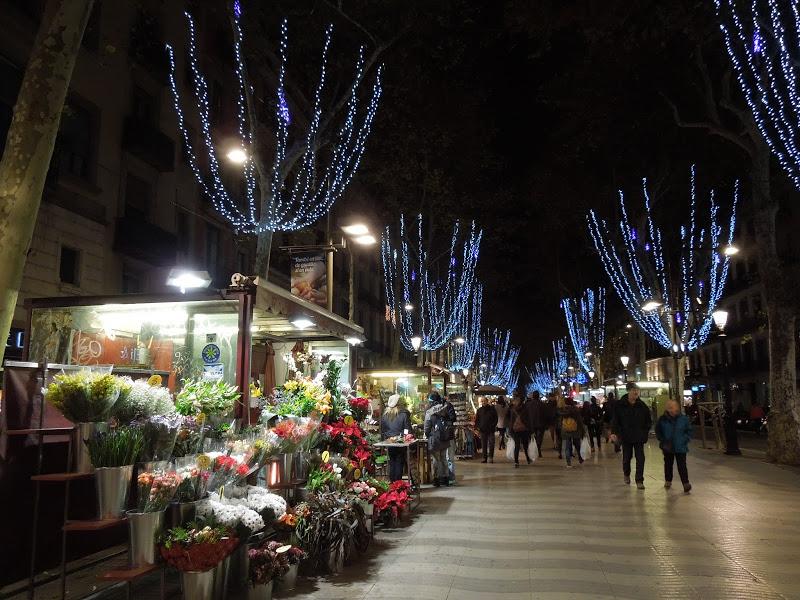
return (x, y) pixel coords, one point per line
(347, 437)
(392, 501)
(359, 408)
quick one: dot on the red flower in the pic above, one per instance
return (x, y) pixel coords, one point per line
(242, 469)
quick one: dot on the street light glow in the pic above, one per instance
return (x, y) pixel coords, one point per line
(237, 156)
(365, 240)
(720, 318)
(460, 340)
(356, 229)
(187, 279)
(730, 250)
(408, 306)
(302, 323)
(651, 305)
(353, 341)
(416, 342)
(624, 360)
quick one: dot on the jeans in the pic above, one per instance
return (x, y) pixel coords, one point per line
(683, 472)
(628, 450)
(572, 447)
(521, 438)
(502, 432)
(397, 463)
(559, 441)
(487, 441)
(538, 436)
(595, 431)
(439, 458)
(451, 461)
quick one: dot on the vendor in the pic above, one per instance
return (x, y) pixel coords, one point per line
(396, 421)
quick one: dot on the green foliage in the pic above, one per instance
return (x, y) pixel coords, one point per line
(84, 396)
(210, 398)
(138, 399)
(117, 447)
(320, 479)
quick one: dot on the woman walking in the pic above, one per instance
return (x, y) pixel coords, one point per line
(674, 430)
(436, 430)
(396, 421)
(572, 430)
(520, 429)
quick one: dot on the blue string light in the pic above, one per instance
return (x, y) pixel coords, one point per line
(762, 44)
(586, 322)
(464, 355)
(547, 372)
(498, 360)
(701, 277)
(296, 190)
(420, 303)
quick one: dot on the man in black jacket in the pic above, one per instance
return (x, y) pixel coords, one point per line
(631, 427)
(486, 423)
(537, 419)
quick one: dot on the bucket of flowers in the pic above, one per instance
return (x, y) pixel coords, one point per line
(155, 490)
(194, 472)
(292, 556)
(393, 503)
(267, 562)
(365, 495)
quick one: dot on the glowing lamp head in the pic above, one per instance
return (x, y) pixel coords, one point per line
(353, 341)
(730, 250)
(416, 342)
(624, 360)
(186, 279)
(651, 305)
(408, 307)
(237, 156)
(365, 240)
(460, 340)
(356, 229)
(465, 372)
(302, 323)
(591, 374)
(720, 318)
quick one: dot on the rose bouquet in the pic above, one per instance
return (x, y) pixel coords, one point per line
(289, 433)
(361, 490)
(156, 489)
(194, 473)
(197, 547)
(359, 408)
(226, 470)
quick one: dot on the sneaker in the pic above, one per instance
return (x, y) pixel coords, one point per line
(484, 460)
(530, 461)
(580, 460)
(640, 485)
(569, 466)
(687, 487)
(627, 480)
(667, 484)
(516, 465)
(491, 460)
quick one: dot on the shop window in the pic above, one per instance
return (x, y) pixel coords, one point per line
(75, 141)
(137, 197)
(69, 266)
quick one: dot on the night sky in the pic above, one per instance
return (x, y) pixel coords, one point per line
(525, 114)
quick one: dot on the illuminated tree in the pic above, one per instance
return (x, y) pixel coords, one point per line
(300, 182)
(464, 354)
(586, 322)
(498, 360)
(428, 300)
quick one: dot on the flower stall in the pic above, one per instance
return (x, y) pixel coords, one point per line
(226, 474)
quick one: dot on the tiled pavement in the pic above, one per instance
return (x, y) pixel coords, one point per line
(542, 531)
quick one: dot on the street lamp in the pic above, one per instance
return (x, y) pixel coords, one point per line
(188, 279)
(625, 360)
(591, 378)
(730, 250)
(460, 341)
(731, 434)
(359, 232)
(416, 342)
(237, 156)
(651, 305)
(408, 307)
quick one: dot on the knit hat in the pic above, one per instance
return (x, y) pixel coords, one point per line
(393, 400)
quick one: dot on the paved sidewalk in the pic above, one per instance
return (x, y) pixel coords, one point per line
(542, 531)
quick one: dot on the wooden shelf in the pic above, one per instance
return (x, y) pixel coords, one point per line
(45, 431)
(94, 525)
(128, 574)
(56, 477)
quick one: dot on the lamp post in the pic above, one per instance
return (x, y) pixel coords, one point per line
(731, 434)
(624, 360)
(360, 234)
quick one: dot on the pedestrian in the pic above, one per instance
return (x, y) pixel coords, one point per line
(608, 417)
(561, 405)
(631, 428)
(537, 419)
(486, 423)
(593, 419)
(502, 420)
(674, 430)
(572, 430)
(396, 421)
(519, 428)
(552, 417)
(452, 417)
(436, 427)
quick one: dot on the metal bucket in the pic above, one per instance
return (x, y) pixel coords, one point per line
(81, 463)
(286, 465)
(221, 579)
(335, 561)
(198, 585)
(239, 570)
(144, 528)
(288, 581)
(180, 513)
(113, 485)
(260, 592)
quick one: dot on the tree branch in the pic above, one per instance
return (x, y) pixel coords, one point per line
(338, 10)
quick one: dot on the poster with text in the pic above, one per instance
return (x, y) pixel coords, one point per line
(309, 277)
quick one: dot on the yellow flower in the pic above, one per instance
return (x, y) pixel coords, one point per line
(326, 456)
(200, 418)
(357, 473)
(203, 461)
(348, 420)
(155, 380)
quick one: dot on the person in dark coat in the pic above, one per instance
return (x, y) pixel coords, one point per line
(537, 419)
(486, 423)
(395, 421)
(608, 417)
(593, 419)
(674, 430)
(552, 419)
(631, 428)
(435, 426)
(519, 428)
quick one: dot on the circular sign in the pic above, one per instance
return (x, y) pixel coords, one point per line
(211, 354)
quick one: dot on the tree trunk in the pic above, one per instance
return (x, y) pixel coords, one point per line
(31, 139)
(263, 252)
(783, 444)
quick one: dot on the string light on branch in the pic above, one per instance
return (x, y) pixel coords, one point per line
(546, 372)
(498, 360)
(659, 298)
(586, 322)
(463, 355)
(424, 298)
(298, 186)
(762, 40)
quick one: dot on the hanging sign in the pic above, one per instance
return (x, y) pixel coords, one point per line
(309, 278)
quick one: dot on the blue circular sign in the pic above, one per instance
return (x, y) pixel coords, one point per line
(211, 354)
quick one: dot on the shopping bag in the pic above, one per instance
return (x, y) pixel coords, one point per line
(586, 448)
(510, 448)
(533, 450)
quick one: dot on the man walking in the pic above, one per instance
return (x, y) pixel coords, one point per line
(608, 416)
(537, 418)
(631, 428)
(486, 423)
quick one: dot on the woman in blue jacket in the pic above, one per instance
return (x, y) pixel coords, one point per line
(674, 430)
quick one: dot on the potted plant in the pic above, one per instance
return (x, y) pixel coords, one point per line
(267, 562)
(155, 491)
(364, 494)
(86, 398)
(113, 454)
(196, 551)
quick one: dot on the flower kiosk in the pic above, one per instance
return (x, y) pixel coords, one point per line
(209, 435)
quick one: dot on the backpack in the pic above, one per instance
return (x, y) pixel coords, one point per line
(443, 430)
(569, 425)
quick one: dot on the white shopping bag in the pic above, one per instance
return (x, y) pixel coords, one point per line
(586, 448)
(533, 450)
(510, 448)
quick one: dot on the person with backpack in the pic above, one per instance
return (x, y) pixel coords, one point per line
(520, 429)
(593, 419)
(437, 431)
(673, 431)
(451, 416)
(486, 423)
(572, 430)
(631, 428)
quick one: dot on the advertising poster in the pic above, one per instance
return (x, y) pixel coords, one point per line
(309, 277)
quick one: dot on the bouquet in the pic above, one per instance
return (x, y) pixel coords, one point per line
(226, 470)
(359, 408)
(194, 473)
(363, 491)
(326, 477)
(267, 562)
(197, 547)
(189, 438)
(160, 435)
(204, 398)
(156, 490)
(297, 397)
(118, 447)
(242, 509)
(84, 396)
(141, 400)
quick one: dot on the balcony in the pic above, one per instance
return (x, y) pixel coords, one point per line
(146, 142)
(136, 238)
